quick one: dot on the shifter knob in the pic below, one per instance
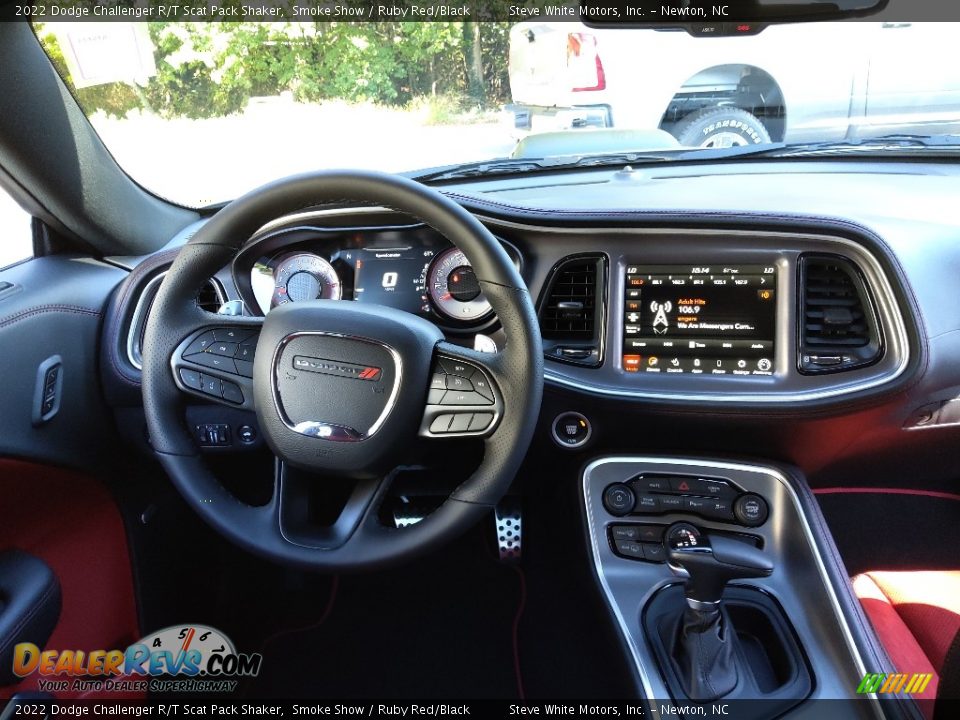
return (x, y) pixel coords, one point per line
(710, 562)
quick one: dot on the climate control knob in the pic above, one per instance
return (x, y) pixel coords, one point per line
(619, 499)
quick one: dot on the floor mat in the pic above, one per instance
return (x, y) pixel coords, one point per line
(892, 530)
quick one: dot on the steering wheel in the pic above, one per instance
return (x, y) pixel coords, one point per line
(340, 388)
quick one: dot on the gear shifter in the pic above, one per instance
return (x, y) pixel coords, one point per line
(704, 648)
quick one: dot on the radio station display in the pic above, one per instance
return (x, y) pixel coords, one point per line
(700, 319)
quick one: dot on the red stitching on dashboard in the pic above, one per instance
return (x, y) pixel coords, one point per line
(885, 491)
(42, 309)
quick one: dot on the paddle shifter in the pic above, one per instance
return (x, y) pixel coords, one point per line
(704, 648)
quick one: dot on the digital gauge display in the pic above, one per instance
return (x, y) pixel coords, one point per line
(393, 276)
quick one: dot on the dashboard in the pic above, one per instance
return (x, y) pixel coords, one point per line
(819, 337)
(682, 315)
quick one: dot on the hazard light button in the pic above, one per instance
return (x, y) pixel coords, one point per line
(687, 485)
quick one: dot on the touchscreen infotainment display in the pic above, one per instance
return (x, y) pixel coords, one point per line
(700, 319)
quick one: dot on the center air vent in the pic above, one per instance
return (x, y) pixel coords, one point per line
(571, 310)
(209, 298)
(839, 329)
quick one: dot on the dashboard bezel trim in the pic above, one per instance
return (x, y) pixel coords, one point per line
(897, 335)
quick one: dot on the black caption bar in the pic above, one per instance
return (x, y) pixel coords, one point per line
(592, 12)
(183, 707)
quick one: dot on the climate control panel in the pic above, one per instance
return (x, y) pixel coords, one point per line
(710, 498)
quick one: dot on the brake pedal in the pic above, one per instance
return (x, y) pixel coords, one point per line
(508, 520)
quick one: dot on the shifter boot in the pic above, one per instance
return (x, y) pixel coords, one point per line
(704, 654)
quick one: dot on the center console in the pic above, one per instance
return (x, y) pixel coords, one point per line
(719, 584)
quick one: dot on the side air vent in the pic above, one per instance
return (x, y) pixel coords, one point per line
(209, 298)
(572, 310)
(839, 328)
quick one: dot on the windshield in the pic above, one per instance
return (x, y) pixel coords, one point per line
(203, 112)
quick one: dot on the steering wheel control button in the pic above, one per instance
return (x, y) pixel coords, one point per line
(200, 344)
(435, 397)
(245, 351)
(244, 368)
(210, 386)
(247, 434)
(441, 424)
(461, 422)
(455, 382)
(214, 362)
(618, 499)
(751, 510)
(453, 367)
(455, 397)
(232, 392)
(480, 422)
(234, 335)
(438, 381)
(571, 430)
(482, 387)
(190, 378)
(224, 349)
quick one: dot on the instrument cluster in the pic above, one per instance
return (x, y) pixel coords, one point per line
(413, 269)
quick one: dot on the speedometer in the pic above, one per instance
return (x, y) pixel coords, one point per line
(304, 277)
(454, 288)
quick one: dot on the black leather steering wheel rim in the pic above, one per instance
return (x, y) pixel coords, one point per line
(517, 368)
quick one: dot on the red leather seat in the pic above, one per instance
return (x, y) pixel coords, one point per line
(916, 614)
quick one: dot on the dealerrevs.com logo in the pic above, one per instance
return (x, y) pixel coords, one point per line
(182, 658)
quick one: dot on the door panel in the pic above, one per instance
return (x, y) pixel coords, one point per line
(54, 309)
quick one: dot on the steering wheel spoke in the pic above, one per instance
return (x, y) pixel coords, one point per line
(215, 362)
(464, 399)
(295, 506)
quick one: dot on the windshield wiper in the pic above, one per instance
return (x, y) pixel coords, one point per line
(893, 143)
(899, 143)
(511, 166)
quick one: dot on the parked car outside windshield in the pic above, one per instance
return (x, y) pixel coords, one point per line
(202, 112)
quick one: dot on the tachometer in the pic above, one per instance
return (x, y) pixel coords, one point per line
(454, 288)
(304, 277)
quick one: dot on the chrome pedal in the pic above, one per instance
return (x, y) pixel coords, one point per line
(509, 526)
